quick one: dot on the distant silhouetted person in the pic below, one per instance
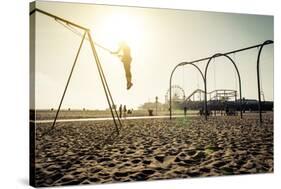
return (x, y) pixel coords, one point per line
(125, 111)
(185, 110)
(120, 111)
(226, 110)
(243, 105)
(124, 52)
(201, 112)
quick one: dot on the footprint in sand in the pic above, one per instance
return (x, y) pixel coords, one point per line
(193, 174)
(130, 152)
(227, 170)
(111, 165)
(67, 178)
(66, 166)
(146, 162)
(199, 155)
(95, 170)
(136, 161)
(182, 155)
(218, 164)
(148, 171)
(104, 176)
(91, 157)
(139, 177)
(160, 158)
(103, 159)
(57, 176)
(94, 179)
(205, 170)
(121, 174)
(191, 152)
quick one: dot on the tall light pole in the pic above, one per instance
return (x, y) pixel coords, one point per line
(156, 102)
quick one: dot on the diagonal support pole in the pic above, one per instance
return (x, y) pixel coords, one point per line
(66, 86)
(101, 73)
(110, 96)
(105, 85)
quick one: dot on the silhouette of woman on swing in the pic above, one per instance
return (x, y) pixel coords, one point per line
(124, 53)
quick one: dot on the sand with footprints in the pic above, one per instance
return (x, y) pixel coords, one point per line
(152, 149)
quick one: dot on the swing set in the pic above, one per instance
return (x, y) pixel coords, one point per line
(86, 35)
(204, 76)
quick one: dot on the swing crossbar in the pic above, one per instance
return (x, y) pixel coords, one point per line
(58, 18)
(227, 53)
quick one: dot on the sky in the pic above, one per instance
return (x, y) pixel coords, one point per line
(159, 39)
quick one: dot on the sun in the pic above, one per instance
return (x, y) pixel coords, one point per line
(118, 27)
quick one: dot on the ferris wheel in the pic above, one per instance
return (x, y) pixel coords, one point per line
(178, 94)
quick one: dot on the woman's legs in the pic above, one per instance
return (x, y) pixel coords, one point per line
(127, 67)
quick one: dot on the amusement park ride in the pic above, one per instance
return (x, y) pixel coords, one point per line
(217, 100)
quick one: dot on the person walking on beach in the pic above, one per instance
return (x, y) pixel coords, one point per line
(185, 110)
(124, 52)
(120, 111)
(125, 111)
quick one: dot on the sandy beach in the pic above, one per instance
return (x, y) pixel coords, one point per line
(153, 149)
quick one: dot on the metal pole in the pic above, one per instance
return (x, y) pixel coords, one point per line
(259, 90)
(205, 86)
(258, 77)
(73, 66)
(156, 101)
(106, 85)
(103, 80)
(240, 94)
(205, 97)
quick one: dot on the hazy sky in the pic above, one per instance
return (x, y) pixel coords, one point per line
(159, 40)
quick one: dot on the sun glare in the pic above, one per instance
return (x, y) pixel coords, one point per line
(120, 27)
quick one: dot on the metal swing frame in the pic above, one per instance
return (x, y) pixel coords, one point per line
(111, 104)
(260, 46)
